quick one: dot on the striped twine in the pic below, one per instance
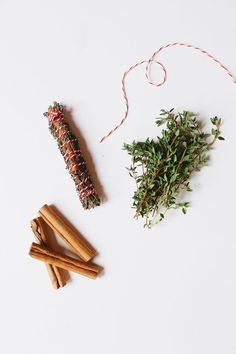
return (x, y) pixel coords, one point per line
(147, 74)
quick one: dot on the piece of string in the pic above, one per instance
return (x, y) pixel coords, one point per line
(83, 192)
(147, 74)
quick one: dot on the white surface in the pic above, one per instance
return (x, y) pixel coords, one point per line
(170, 290)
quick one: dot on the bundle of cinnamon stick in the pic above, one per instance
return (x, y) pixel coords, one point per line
(56, 261)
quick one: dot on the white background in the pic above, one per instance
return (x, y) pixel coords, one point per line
(169, 290)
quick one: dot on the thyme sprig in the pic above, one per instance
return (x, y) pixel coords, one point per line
(162, 167)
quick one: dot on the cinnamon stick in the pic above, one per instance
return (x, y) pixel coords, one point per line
(38, 228)
(73, 240)
(44, 254)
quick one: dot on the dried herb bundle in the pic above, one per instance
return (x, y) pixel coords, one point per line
(162, 167)
(69, 147)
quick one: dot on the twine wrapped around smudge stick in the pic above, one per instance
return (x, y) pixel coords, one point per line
(69, 147)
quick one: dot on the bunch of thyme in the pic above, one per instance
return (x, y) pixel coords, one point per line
(162, 167)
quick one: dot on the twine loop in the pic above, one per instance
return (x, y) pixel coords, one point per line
(149, 63)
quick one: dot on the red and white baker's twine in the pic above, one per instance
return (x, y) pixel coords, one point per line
(83, 192)
(147, 74)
